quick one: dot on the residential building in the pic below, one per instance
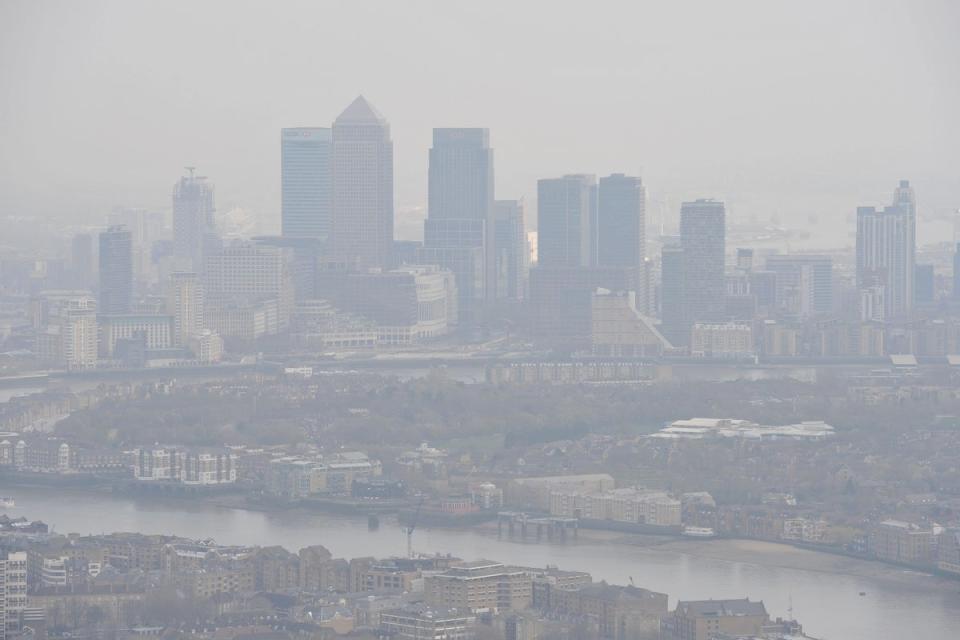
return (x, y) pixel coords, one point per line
(184, 303)
(620, 612)
(721, 340)
(305, 181)
(702, 240)
(704, 619)
(361, 230)
(479, 585)
(116, 271)
(898, 541)
(13, 592)
(202, 467)
(886, 250)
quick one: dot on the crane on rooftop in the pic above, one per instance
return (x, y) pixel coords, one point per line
(410, 528)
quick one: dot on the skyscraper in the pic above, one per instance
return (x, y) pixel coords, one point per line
(116, 271)
(673, 326)
(620, 219)
(905, 199)
(194, 226)
(924, 284)
(566, 209)
(362, 215)
(703, 242)
(460, 212)
(511, 250)
(886, 250)
(305, 177)
(81, 260)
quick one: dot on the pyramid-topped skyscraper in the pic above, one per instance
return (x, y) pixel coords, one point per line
(361, 233)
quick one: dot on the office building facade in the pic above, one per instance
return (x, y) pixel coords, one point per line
(361, 230)
(566, 212)
(621, 206)
(305, 181)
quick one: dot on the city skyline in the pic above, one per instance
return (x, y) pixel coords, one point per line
(654, 123)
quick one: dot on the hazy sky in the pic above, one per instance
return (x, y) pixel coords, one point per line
(803, 108)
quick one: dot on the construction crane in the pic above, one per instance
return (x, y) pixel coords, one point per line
(410, 528)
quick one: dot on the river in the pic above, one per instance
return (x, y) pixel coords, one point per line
(897, 604)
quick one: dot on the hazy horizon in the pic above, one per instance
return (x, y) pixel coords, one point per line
(801, 110)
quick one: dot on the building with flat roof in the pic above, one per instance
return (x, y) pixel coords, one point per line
(704, 619)
(420, 622)
(305, 181)
(480, 585)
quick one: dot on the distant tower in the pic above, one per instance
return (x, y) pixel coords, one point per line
(511, 250)
(362, 216)
(703, 241)
(193, 221)
(116, 271)
(566, 215)
(673, 326)
(621, 231)
(459, 229)
(956, 273)
(886, 250)
(305, 181)
(184, 301)
(81, 260)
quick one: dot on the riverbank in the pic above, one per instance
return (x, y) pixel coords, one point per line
(755, 552)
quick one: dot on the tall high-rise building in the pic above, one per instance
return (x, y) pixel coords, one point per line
(620, 232)
(78, 333)
(361, 230)
(305, 177)
(13, 592)
(511, 250)
(886, 250)
(184, 302)
(672, 326)
(116, 271)
(703, 242)
(460, 212)
(81, 260)
(566, 212)
(905, 199)
(461, 175)
(194, 227)
(924, 284)
(956, 273)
